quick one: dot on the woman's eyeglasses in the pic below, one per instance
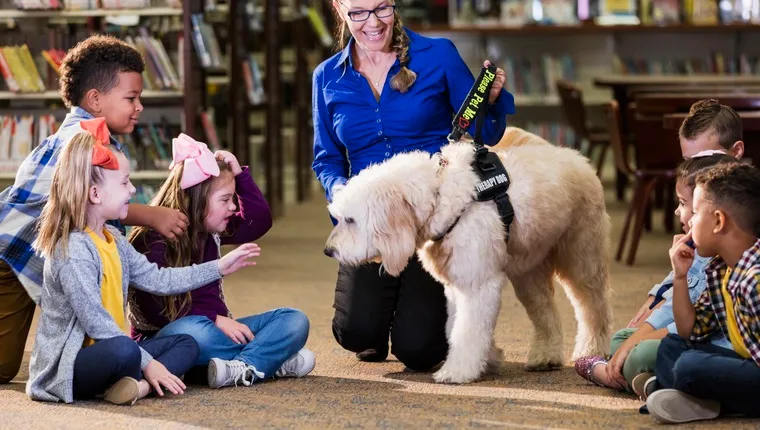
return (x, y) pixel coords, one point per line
(363, 15)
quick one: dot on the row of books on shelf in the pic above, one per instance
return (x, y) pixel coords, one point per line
(254, 85)
(91, 4)
(19, 134)
(206, 43)
(23, 73)
(715, 63)
(537, 75)
(516, 13)
(149, 146)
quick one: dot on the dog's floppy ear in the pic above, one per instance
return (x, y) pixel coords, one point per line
(397, 240)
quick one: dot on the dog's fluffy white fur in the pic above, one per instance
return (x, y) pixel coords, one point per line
(560, 231)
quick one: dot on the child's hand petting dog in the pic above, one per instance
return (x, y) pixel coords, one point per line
(238, 258)
(681, 255)
(231, 161)
(239, 333)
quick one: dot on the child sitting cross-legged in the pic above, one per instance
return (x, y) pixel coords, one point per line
(203, 185)
(81, 347)
(635, 349)
(696, 380)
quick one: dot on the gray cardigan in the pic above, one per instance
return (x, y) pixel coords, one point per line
(72, 307)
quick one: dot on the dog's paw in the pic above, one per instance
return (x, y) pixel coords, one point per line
(451, 375)
(589, 347)
(495, 360)
(548, 360)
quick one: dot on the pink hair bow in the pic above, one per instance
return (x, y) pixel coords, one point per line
(199, 161)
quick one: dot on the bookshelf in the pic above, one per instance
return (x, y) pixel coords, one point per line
(175, 85)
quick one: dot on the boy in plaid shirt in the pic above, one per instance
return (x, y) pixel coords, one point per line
(700, 380)
(100, 77)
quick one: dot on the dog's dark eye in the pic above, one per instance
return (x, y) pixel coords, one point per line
(348, 220)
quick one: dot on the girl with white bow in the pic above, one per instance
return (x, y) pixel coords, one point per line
(202, 185)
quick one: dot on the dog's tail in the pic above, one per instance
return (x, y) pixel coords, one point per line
(514, 137)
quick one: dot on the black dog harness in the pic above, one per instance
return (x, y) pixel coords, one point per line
(494, 180)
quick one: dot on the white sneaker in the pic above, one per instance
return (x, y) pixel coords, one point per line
(675, 407)
(223, 373)
(300, 364)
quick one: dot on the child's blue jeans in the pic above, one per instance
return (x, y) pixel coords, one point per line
(708, 371)
(99, 366)
(278, 335)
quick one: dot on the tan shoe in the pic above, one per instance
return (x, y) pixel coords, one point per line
(125, 391)
(639, 384)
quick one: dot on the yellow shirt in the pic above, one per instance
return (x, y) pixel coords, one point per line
(110, 288)
(734, 335)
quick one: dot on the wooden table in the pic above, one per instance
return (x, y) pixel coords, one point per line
(750, 120)
(621, 85)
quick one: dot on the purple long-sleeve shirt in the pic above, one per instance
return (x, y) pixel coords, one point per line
(250, 223)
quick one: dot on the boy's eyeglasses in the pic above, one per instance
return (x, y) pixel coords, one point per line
(363, 15)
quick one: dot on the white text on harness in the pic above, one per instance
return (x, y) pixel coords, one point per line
(491, 182)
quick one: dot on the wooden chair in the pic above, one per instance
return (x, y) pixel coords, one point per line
(657, 154)
(574, 111)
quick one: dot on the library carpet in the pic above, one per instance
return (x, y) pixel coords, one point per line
(343, 392)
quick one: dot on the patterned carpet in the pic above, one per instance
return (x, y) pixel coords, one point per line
(342, 392)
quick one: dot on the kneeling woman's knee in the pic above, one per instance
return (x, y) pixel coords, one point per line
(418, 358)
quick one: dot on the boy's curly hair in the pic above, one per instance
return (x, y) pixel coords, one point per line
(734, 188)
(95, 63)
(687, 171)
(709, 115)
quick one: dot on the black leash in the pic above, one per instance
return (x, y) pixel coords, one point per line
(494, 180)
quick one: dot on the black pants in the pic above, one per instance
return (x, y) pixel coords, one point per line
(708, 371)
(99, 366)
(412, 308)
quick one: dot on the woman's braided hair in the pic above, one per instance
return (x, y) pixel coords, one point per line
(405, 77)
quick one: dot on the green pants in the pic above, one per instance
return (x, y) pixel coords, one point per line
(641, 358)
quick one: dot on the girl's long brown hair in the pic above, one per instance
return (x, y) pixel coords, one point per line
(66, 208)
(405, 77)
(180, 252)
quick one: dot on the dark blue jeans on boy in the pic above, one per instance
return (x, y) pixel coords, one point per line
(99, 366)
(708, 371)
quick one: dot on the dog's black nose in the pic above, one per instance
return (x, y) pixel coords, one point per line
(329, 252)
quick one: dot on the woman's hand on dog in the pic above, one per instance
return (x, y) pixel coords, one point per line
(681, 255)
(498, 83)
(239, 333)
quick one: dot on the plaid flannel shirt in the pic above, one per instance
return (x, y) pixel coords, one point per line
(21, 204)
(744, 288)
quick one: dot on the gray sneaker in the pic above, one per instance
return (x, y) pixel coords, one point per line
(300, 364)
(224, 373)
(674, 407)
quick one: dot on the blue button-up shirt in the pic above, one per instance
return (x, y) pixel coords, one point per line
(352, 129)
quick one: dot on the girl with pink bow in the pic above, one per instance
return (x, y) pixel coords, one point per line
(203, 185)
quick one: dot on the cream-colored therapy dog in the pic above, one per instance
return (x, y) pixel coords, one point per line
(560, 230)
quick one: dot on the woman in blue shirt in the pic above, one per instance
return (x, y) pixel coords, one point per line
(389, 90)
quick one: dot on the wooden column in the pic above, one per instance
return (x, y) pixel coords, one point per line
(238, 99)
(273, 143)
(194, 91)
(304, 152)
